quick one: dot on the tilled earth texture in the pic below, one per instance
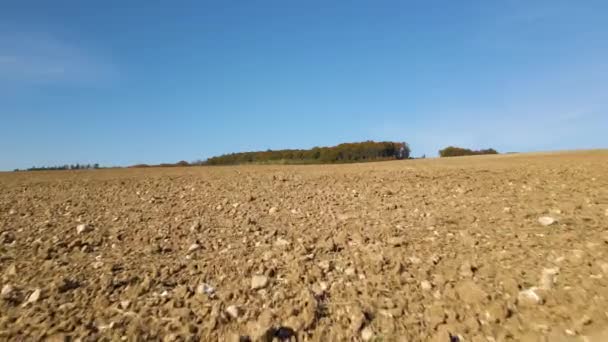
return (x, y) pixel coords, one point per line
(485, 248)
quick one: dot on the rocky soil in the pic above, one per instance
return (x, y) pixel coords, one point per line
(487, 248)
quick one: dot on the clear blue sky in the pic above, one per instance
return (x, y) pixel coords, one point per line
(125, 82)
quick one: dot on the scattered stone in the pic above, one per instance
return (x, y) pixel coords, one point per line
(319, 289)
(325, 265)
(13, 212)
(583, 321)
(426, 285)
(205, 289)
(546, 220)
(83, 228)
(547, 278)
(466, 270)
(124, 304)
(350, 271)
(414, 260)
(367, 334)
(606, 212)
(233, 311)
(529, 297)
(194, 247)
(97, 264)
(7, 292)
(195, 227)
(604, 267)
(281, 242)
(397, 241)
(11, 271)
(259, 282)
(273, 210)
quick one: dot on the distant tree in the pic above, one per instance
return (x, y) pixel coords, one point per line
(343, 153)
(452, 151)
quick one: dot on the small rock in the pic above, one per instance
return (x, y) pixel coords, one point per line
(604, 267)
(325, 265)
(415, 260)
(7, 292)
(206, 289)
(13, 212)
(426, 285)
(273, 210)
(606, 212)
(97, 264)
(259, 282)
(367, 334)
(529, 297)
(233, 311)
(547, 278)
(34, 296)
(319, 289)
(83, 228)
(195, 227)
(350, 271)
(466, 270)
(281, 242)
(397, 241)
(546, 220)
(11, 271)
(194, 247)
(124, 304)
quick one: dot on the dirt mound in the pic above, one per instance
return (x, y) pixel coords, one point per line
(474, 249)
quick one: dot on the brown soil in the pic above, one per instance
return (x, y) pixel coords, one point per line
(406, 250)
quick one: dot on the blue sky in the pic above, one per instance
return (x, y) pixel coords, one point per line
(125, 82)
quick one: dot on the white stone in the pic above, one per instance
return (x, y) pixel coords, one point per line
(273, 210)
(124, 304)
(34, 296)
(547, 278)
(281, 242)
(529, 297)
(205, 289)
(7, 291)
(195, 226)
(259, 282)
(546, 220)
(415, 260)
(367, 334)
(325, 265)
(233, 311)
(83, 228)
(350, 271)
(426, 285)
(194, 247)
(12, 212)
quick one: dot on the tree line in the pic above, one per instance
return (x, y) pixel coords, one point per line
(343, 153)
(452, 151)
(63, 167)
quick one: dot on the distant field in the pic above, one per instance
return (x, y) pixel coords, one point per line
(414, 249)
